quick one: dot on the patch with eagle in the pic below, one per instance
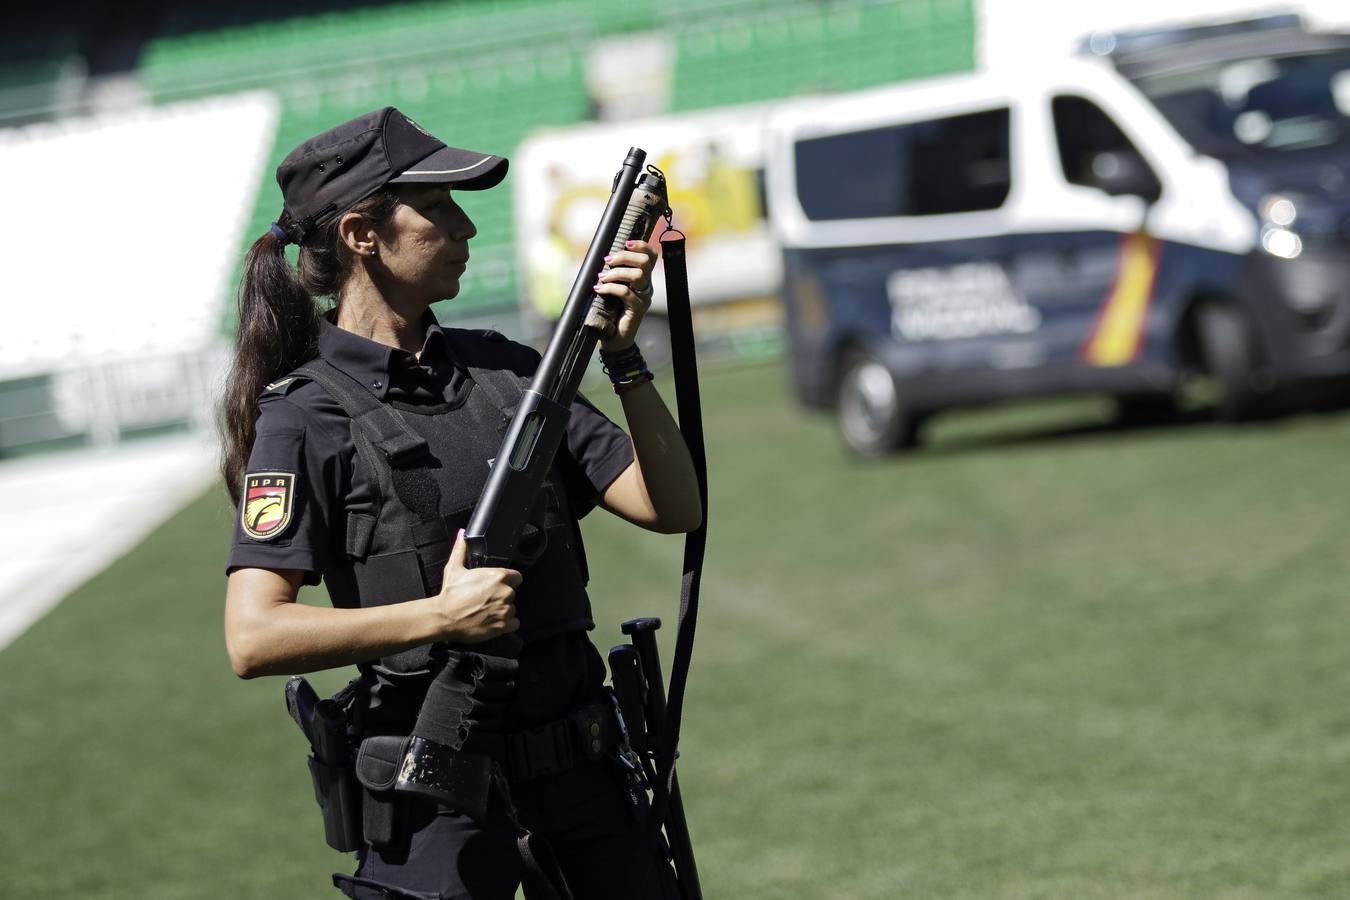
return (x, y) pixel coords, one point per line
(268, 499)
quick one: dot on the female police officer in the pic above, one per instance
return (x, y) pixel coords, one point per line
(325, 490)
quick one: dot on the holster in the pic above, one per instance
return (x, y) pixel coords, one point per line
(325, 724)
(339, 801)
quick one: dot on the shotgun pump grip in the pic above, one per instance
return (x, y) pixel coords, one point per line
(647, 204)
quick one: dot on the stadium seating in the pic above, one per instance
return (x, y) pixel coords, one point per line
(483, 74)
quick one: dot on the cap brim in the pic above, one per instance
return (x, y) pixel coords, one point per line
(465, 169)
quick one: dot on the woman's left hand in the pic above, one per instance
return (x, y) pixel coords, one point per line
(628, 280)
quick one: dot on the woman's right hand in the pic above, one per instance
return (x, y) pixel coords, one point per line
(476, 605)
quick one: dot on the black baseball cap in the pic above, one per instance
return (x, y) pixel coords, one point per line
(330, 172)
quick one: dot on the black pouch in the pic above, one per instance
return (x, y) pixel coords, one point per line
(377, 767)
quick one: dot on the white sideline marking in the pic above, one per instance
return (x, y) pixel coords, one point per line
(80, 511)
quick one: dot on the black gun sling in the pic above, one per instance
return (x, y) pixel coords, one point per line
(689, 410)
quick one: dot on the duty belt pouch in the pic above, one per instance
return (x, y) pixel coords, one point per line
(377, 765)
(595, 728)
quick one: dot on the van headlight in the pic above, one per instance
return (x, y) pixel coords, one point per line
(1277, 210)
(1281, 242)
(1277, 214)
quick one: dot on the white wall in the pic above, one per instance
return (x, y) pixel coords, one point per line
(125, 229)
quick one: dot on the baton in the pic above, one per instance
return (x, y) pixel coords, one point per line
(643, 634)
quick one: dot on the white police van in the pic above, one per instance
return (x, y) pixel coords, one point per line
(1165, 203)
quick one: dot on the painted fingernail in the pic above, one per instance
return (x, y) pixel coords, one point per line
(629, 243)
(608, 258)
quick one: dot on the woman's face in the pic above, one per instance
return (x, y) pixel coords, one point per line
(424, 246)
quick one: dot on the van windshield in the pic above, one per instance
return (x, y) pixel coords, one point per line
(1260, 104)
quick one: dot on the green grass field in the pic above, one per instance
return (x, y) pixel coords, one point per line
(1042, 657)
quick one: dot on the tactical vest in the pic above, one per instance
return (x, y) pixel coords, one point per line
(399, 551)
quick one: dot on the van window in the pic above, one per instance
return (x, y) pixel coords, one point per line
(1262, 104)
(858, 175)
(954, 165)
(1089, 142)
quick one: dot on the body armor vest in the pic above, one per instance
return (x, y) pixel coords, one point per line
(399, 552)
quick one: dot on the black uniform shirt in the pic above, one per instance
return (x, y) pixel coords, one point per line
(304, 434)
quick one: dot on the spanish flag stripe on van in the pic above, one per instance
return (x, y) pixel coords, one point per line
(1118, 333)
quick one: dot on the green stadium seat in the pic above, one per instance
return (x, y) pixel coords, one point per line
(518, 65)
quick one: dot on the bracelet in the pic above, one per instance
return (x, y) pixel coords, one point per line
(623, 365)
(623, 358)
(623, 387)
(626, 368)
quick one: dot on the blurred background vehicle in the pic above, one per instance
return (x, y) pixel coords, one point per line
(1167, 204)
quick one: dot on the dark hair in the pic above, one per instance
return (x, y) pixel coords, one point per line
(279, 320)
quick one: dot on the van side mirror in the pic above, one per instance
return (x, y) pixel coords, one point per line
(1118, 172)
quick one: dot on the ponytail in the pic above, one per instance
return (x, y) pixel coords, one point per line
(279, 319)
(278, 330)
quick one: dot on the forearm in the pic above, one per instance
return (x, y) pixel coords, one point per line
(660, 490)
(663, 470)
(270, 635)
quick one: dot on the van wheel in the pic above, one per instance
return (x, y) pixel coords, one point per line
(872, 417)
(1228, 351)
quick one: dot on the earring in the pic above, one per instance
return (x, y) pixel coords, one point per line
(374, 251)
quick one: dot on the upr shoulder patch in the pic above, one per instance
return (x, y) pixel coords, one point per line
(268, 500)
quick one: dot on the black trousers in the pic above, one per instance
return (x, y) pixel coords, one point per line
(585, 815)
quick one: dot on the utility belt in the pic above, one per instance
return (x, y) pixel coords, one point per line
(354, 775)
(361, 781)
